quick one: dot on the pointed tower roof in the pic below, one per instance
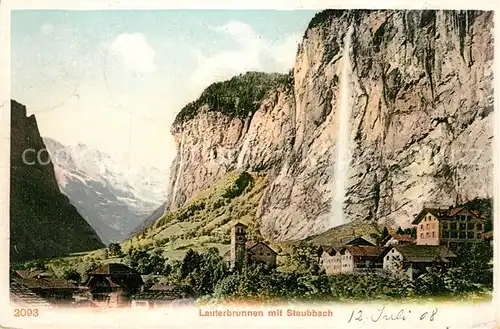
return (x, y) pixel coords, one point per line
(239, 224)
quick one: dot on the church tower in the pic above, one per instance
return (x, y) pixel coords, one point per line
(238, 246)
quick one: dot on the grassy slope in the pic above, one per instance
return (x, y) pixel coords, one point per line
(344, 232)
(205, 221)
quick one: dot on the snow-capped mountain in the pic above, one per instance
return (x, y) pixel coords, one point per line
(113, 199)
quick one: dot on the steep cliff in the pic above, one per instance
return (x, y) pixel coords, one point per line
(410, 93)
(42, 221)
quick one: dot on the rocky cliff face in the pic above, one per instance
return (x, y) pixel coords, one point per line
(43, 223)
(420, 103)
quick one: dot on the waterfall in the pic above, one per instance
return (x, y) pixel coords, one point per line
(342, 142)
(179, 171)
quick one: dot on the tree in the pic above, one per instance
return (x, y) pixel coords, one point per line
(115, 249)
(93, 265)
(400, 231)
(304, 257)
(385, 233)
(72, 275)
(37, 265)
(146, 263)
(203, 270)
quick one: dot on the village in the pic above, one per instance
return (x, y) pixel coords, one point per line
(440, 235)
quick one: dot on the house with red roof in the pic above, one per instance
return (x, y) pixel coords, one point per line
(399, 239)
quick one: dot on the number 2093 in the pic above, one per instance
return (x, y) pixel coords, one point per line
(22, 312)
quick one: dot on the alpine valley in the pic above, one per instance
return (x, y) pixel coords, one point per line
(383, 113)
(112, 198)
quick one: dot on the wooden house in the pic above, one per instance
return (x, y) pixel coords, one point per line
(160, 295)
(53, 289)
(112, 284)
(22, 296)
(413, 260)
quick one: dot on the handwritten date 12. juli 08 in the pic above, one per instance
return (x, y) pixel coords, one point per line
(383, 314)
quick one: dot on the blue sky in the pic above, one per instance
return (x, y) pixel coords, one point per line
(115, 80)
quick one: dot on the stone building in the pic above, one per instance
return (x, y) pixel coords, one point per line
(455, 228)
(244, 252)
(351, 259)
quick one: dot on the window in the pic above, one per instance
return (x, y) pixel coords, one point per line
(461, 235)
(469, 217)
(446, 234)
(421, 235)
(462, 226)
(445, 226)
(427, 227)
(453, 226)
(470, 235)
(479, 226)
(453, 234)
(433, 234)
(427, 234)
(387, 258)
(478, 236)
(421, 226)
(470, 226)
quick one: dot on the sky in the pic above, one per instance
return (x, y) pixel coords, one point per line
(114, 80)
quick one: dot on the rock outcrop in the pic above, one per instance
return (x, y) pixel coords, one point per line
(420, 123)
(43, 223)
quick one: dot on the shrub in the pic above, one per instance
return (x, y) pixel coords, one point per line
(72, 275)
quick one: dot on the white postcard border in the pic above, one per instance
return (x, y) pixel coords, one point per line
(451, 316)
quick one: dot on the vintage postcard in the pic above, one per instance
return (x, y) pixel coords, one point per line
(219, 164)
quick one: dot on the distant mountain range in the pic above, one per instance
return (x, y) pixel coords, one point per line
(113, 199)
(43, 223)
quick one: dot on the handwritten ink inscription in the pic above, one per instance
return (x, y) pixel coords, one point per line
(383, 314)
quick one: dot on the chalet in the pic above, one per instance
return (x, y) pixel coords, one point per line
(160, 295)
(56, 290)
(247, 252)
(21, 295)
(112, 284)
(412, 260)
(455, 228)
(33, 274)
(351, 258)
(399, 239)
